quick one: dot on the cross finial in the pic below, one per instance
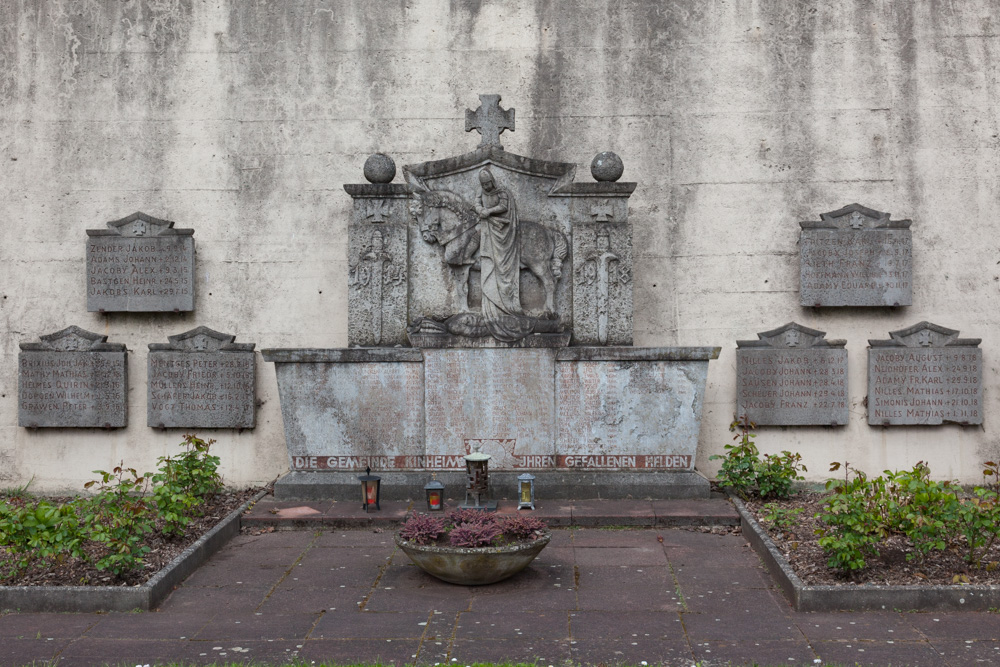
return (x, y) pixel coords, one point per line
(489, 120)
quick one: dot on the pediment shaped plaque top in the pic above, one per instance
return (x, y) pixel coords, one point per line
(925, 334)
(140, 225)
(202, 339)
(792, 336)
(856, 217)
(74, 339)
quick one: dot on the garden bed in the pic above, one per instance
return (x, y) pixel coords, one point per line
(890, 581)
(77, 586)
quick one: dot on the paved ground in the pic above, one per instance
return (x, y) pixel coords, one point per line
(595, 595)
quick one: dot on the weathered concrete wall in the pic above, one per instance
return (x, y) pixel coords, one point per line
(243, 118)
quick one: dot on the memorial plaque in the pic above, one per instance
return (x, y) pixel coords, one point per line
(792, 376)
(73, 378)
(856, 257)
(140, 264)
(925, 375)
(201, 379)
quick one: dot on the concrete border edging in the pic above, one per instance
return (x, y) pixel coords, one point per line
(127, 598)
(804, 597)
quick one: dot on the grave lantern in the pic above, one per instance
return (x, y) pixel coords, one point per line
(477, 482)
(371, 489)
(526, 491)
(435, 495)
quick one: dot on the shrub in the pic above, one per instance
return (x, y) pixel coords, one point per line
(745, 473)
(120, 517)
(861, 513)
(184, 483)
(40, 531)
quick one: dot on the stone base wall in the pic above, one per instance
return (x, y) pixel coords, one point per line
(569, 409)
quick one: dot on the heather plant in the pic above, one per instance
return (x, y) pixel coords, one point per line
(471, 517)
(522, 526)
(472, 535)
(422, 529)
(470, 528)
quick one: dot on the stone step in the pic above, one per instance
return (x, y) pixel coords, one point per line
(303, 514)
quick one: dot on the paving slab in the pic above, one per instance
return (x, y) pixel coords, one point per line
(624, 624)
(631, 652)
(354, 651)
(845, 626)
(635, 588)
(534, 650)
(244, 625)
(349, 624)
(519, 627)
(755, 651)
(880, 654)
(31, 651)
(117, 625)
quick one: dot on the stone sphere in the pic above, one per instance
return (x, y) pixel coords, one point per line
(607, 167)
(379, 168)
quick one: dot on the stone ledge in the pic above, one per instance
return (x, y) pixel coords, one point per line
(638, 353)
(87, 599)
(328, 514)
(344, 355)
(554, 484)
(804, 597)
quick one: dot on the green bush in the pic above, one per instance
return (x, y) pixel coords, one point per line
(184, 483)
(120, 517)
(39, 531)
(861, 513)
(746, 474)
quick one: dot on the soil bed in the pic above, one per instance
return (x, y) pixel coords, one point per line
(163, 550)
(801, 548)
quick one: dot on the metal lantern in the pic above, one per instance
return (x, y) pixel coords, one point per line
(371, 490)
(526, 491)
(477, 483)
(435, 496)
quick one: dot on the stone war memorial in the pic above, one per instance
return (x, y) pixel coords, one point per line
(490, 310)
(925, 375)
(140, 264)
(72, 379)
(792, 376)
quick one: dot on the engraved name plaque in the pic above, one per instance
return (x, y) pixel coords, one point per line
(856, 257)
(792, 376)
(201, 379)
(140, 264)
(925, 374)
(73, 378)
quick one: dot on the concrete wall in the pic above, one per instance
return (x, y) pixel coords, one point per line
(243, 118)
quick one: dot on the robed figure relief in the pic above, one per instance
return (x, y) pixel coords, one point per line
(489, 236)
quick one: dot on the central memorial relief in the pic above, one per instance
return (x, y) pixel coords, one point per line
(490, 309)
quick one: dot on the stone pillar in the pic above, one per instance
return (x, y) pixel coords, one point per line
(602, 256)
(377, 254)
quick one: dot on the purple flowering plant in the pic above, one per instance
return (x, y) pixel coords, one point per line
(471, 528)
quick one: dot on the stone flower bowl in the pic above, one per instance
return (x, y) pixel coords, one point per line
(473, 566)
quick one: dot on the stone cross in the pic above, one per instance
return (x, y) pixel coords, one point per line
(856, 221)
(490, 120)
(377, 210)
(602, 212)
